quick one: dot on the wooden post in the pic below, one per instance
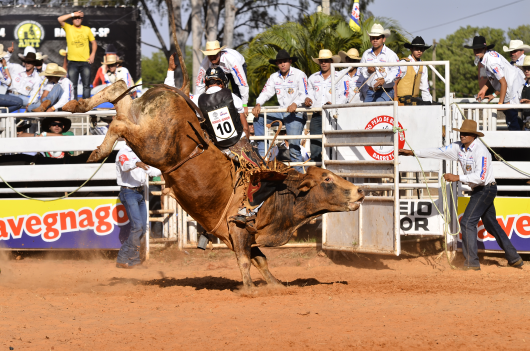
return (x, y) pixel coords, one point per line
(433, 75)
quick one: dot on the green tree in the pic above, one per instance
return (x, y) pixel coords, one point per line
(520, 33)
(464, 73)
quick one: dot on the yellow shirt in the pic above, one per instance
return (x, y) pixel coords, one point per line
(78, 39)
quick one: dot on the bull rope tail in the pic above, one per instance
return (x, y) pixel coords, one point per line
(65, 196)
(274, 139)
(446, 214)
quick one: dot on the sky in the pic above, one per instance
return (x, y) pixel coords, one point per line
(415, 16)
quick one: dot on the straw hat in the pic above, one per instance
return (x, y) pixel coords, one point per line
(516, 45)
(2, 52)
(39, 56)
(212, 48)
(110, 59)
(63, 52)
(326, 54)
(526, 62)
(469, 126)
(378, 30)
(53, 70)
(352, 53)
(27, 50)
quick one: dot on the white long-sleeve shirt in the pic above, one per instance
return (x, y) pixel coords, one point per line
(475, 161)
(127, 173)
(356, 93)
(319, 89)
(68, 92)
(292, 88)
(519, 61)
(498, 67)
(424, 80)
(4, 79)
(388, 73)
(22, 83)
(231, 62)
(121, 73)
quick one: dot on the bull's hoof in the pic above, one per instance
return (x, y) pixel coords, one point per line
(71, 106)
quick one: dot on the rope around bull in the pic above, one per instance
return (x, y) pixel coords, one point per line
(65, 196)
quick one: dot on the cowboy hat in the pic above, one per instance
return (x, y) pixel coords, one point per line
(53, 70)
(469, 126)
(378, 30)
(2, 52)
(29, 58)
(27, 50)
(111, 59)
(479, 42)
(212, 48)
(526, 62)
(39, 56)
(49, 120)
(63, 52)
(352, 53)
(283, 55)
(110, 49)
(516, 45)
(326, 54)
(417, 42)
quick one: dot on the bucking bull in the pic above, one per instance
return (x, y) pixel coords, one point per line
(163, 130)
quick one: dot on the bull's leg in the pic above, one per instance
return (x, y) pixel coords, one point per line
(242, 244)
(259, 260)
(120, 127)
(108, 94)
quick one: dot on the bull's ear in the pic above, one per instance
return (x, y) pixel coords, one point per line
(306, 185)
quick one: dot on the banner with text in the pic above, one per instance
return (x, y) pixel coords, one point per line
(76, 223)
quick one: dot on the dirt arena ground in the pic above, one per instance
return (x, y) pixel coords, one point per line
(192, 301)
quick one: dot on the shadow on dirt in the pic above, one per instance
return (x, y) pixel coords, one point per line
(210, 283)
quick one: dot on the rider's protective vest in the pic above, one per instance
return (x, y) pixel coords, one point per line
(222, 121)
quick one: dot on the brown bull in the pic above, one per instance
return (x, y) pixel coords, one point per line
(163, 131)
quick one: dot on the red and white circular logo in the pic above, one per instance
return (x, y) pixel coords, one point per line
(384, 153)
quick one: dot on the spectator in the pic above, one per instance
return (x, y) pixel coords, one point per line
(232, 63)
(131, 176)
(5, 76)
(411, 81)
(290, 86)
(502, 77)
(25, 84)
(100, 76)
(79, 56)
(525, 93)
(113, 73)
(517, 51)
(52, 127)
(356, 80)
(40, 65)
(58, 90)
(319, 94)
(380, 79)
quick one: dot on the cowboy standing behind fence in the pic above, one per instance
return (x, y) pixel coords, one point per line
(79, 56)
(290, 86)
(380, 79)
(475, 160)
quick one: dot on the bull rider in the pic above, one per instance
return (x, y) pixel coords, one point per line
(475, 160)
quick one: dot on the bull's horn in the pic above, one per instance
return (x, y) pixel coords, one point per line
(185, 83)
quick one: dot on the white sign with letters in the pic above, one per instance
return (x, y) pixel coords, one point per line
(420, 217)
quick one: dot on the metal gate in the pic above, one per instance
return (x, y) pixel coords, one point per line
(374, 228)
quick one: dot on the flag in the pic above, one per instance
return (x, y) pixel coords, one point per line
(354, 17)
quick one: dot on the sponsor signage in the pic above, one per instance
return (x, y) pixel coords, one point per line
(419, 217)
(76, 223)
(513, 215)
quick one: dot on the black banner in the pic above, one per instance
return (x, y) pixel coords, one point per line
(38, 27)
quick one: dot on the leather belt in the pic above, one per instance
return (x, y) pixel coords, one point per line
(491, 184)
(138, 188)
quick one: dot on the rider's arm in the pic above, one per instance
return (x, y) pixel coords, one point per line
(200, 84)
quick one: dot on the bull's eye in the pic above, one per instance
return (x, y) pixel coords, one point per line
(328, 179)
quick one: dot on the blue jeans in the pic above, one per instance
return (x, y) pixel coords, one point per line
(294, 125)
(137, 212)
(315, 128)
(76, 68)
(53, 96)
(379, 95)
(12, 102)
(481, 206)
(512, 119)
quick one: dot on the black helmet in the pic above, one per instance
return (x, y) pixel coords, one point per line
(213, 74)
